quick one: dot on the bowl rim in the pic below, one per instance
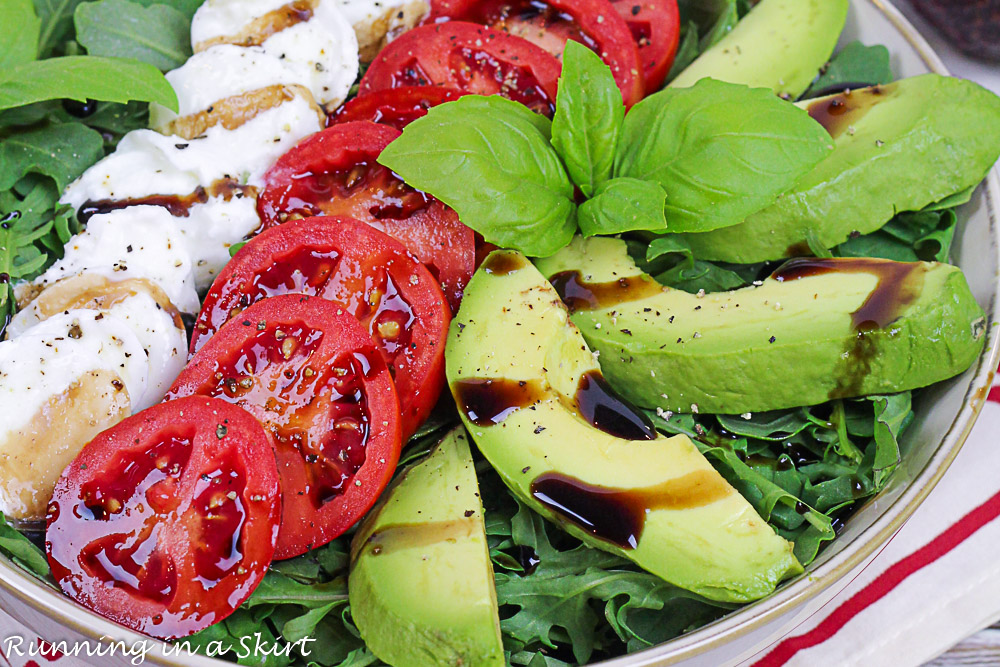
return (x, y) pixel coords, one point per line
(23, 586)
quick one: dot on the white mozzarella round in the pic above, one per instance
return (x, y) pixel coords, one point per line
(210, 229)
(224, 71)
(37, 373)
(133, 242)
(377, 20)
(164, 343)
(324, 48)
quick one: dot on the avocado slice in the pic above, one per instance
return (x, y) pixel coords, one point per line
(532, 395)
(421, 583)
(897, 147)
(816, 329)
(780, 44)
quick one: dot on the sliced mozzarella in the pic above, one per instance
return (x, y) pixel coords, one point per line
(210, 229)
(61, 383)
(222, 72)
(148, 163)
(324, 46)
(133, 242)
(139, 304)
(376, 22)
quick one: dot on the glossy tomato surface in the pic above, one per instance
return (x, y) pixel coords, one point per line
(395, 107)
(312, 375)
(472, 58)
(167, 521)
(655, 26)
(369, 274)
(550, 23)
(335, 172)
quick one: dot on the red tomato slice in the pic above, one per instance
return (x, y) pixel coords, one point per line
(369, 274)
(395, 107)
(656, 28)
(550, 23)
(167, 521)
(312, 375)
(472, 58)
(334, 172)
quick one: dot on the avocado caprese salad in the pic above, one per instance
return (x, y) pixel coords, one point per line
(271, 268)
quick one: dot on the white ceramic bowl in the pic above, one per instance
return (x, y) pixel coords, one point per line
(945, 416)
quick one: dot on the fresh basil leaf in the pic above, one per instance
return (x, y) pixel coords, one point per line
(669, 245)
(56, 23)
(773, 426)
(588, 118)
(623, 205)
(158, 34)
(84, 77)
(16, 546)
(721, 151)
(61, 152)
(19, 29)
(723, 24)
(490, 160)
(856, 66)
(909, 237)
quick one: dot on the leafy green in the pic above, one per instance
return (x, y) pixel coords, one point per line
(721, 151)
(61, 152)
(714, 19)
(909, 237)
(589, 114)
(84, 77)
(19, 28)
(157, 34)
(56, 18)
(855, 66)
(490, 160)
(622, 205)
(688, 50)
(22, 551)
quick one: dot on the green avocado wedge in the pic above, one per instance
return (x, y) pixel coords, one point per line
(816, 329)
(780, 44)
(421, 584)
(897, 147)
(531, 393)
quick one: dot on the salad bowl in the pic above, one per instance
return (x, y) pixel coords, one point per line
(945, 415)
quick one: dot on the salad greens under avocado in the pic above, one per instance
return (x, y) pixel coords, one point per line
(561, 602)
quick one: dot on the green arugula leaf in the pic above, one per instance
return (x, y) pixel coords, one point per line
(687, 51)
(61, 152)
(892, 414)
(158, 34)
(588, 118)
(84, 77)
(185, 7)
(21, 550)
(56, 23)
(489, 159)
(623, 205)
(19, 29)
(855, 66)
(721, 151)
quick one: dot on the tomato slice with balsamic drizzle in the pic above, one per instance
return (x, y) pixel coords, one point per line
(550, 23)
(312, 375)
(395, 107)
(656, 28)
(335, 172)
(369, 274)
(472, 58)
(167, 522)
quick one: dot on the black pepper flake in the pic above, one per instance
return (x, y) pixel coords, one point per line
(539, 429)
(525, 469)
(221, 431)
(469, 513)
(771, 339)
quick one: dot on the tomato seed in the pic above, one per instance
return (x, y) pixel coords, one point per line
(389, 329)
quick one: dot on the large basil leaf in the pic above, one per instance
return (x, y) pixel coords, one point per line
(589, 114)
(84, 77)
(19, 28)
(721, 151)
(490, 160)
(158, 34)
